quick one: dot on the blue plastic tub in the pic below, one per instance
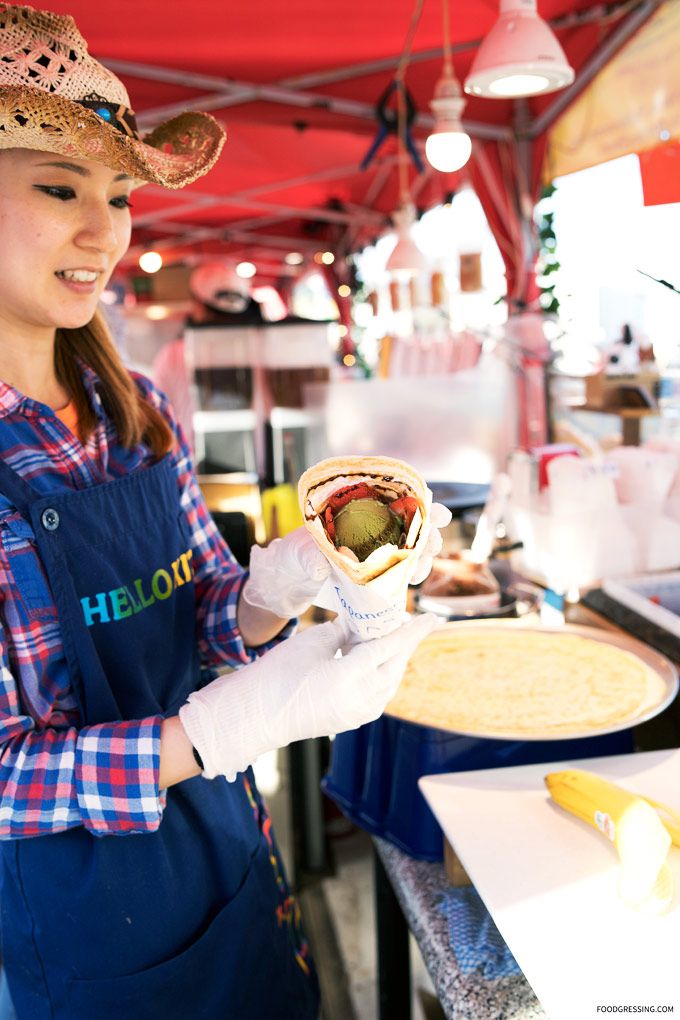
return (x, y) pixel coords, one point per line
(374, 771)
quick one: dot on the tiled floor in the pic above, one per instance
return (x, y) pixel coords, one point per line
(349, 895)
(338, 907)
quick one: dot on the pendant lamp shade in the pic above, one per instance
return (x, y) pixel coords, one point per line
(519, 57)
(406, 259)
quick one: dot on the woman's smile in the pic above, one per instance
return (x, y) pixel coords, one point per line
(80, 281)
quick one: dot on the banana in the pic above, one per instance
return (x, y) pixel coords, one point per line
(631, 822)
(672, 823)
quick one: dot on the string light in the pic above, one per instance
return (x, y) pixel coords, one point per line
(246, 270)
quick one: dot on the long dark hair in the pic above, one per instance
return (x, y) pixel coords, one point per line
(135, 418)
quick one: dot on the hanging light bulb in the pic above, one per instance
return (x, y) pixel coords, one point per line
(519, 57)
(406, 259)
(448, 148)
(150, 261)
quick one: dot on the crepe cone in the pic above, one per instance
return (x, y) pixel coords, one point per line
(371, 595)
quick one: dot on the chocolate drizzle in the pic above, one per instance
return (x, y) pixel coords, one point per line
(401, 488)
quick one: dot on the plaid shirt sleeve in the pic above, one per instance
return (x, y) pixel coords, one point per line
(54, 776)
(116, 776)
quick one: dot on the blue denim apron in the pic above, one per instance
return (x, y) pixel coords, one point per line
(194, 919)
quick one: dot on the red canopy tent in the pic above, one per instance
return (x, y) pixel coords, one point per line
(296, 85)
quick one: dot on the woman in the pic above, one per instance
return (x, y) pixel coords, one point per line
(132, 885)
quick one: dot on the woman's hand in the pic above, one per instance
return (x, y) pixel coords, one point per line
(299, 689)
(286, 575)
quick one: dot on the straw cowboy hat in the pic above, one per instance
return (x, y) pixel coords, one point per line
(55, 97)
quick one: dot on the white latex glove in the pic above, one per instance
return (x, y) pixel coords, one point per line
(297, 690)
(286, 575)
(440, 516)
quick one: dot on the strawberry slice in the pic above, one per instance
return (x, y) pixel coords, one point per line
(360, 490)
(330, 525)
(405, 507)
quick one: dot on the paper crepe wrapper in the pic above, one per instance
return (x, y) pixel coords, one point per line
(370, 595)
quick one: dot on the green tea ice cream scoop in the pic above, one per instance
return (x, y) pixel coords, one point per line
(363, 525)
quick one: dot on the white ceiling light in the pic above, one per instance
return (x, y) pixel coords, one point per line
(519, 57)
(246, 270)
(406, 259)
(448, 148)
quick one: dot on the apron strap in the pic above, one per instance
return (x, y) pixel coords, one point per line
(100, 705)
(17, 489)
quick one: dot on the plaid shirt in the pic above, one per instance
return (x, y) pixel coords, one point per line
(56, 773)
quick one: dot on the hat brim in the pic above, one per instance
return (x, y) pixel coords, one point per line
(173, 155)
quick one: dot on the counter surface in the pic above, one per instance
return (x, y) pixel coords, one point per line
(418, 886)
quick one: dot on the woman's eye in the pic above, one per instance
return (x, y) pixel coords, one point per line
(64, 194)
(122, 202)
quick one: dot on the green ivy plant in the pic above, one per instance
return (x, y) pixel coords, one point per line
(548, 262)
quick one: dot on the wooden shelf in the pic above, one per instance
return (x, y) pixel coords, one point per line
(622, 412)
(631, 418)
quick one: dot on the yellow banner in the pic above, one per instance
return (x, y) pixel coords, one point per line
(632, 105)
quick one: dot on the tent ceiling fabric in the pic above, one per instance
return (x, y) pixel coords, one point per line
(296, 85)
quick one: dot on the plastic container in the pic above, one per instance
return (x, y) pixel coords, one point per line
(572, 550)
(374, 771)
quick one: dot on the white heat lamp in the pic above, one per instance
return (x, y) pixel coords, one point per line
(519, 57)
(406, 259)
(448, 148)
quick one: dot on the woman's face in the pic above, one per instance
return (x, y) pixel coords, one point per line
(64, 224)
